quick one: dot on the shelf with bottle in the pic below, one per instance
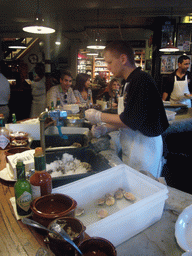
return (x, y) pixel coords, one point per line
(140, 58)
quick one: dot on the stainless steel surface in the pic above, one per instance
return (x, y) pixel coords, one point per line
(55, 229)
(54, 115)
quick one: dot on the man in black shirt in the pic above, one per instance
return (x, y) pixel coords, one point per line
(141, 116)
(178, 87)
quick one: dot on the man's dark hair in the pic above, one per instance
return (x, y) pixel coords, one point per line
(182, 58)
(65, 73)
(121, 47)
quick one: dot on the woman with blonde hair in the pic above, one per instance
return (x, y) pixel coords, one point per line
(112, 92)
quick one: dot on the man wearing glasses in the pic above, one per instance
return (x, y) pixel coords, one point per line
(63, 91)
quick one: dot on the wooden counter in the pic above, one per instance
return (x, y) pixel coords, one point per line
(16, 239)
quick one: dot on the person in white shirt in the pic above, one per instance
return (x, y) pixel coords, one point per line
(63, 91)
(38, 91)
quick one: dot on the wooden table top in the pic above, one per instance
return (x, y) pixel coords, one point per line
(16, 239)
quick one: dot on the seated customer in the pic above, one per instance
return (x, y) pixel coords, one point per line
(63, 91)
(82, 88)
(112, 92)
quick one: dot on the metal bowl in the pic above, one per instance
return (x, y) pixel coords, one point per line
(74, 120)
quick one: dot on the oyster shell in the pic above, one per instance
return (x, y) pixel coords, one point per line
(108, 195)
(110, 200)
(101, 201)
(79, 211)
(102, 213)
(129, 196)
(119, 194)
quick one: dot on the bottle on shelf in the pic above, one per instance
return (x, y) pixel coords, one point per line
(23, 192)
(52, 105)
(14, 120)
(4, 134)
(58, 105)
(41, 181)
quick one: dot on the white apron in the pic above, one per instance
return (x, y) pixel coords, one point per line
(139, 151)
(177, 95)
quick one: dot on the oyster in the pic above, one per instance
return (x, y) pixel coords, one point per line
(119, 193)
(129, 196)
(102, 213)
(79, 211)
(108, 195)
(101, 201)
(110, 200)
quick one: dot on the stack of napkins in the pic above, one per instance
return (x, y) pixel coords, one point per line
(27, 157)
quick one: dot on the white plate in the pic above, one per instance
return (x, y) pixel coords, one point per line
(5, 174)
(183, 229)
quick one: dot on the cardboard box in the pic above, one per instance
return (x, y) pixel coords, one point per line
(125, 218)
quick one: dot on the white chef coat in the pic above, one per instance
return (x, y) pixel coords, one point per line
(179, 89)
(139, 151)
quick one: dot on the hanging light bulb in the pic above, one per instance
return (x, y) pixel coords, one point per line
(38, 27)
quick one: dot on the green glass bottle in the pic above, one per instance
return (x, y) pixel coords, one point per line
(14, 120)
(52, 105)
(4, 134)
(23, 192)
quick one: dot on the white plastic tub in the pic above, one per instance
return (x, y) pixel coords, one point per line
(125, 219)
(170, 115)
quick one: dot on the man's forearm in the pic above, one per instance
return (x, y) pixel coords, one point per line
(113, 121)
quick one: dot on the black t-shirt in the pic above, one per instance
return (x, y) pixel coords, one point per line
(144, 110)
(169, 83)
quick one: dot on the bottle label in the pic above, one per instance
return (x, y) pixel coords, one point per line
(24, 201)
(4, 141)
(36, 191)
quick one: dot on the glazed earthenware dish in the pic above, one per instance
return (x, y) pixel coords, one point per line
(97, 246)
(47, 208)
(74, 228)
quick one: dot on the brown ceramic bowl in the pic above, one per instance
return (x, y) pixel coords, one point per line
(47, 208)
(97, 246)
(74, 228)
(16, 150)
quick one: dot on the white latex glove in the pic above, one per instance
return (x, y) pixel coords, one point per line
(99, 130)
(92, 115)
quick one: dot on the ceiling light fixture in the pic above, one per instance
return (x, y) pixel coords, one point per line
(168, 31)
(17, 44)
(169, 47)
(92, 53)
(96, 43)
(38, 27)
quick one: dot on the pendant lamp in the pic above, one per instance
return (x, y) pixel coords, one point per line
(38, 27)
(169, 47)
(17, 44)
(96, 43)
(92, 53)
